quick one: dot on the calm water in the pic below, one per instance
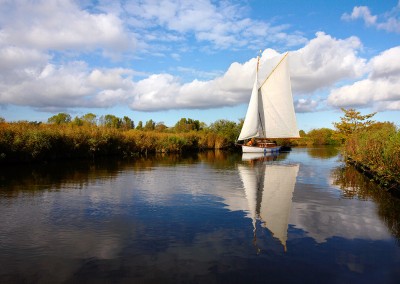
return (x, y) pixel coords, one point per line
(209, 218)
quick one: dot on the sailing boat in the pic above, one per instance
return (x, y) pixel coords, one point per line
(269, 191)
(270, 113)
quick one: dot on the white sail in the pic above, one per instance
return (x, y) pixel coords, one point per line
(270, 113)
(276, 92)
(251, 124)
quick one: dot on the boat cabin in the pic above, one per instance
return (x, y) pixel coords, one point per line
(261, 142)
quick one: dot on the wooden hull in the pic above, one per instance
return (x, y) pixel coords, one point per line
(257, 149)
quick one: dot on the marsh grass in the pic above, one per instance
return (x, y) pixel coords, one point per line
(27, 142)
(376, 149)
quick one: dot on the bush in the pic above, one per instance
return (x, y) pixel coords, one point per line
(376, 148)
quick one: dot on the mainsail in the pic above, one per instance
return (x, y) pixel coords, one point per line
(270, 113)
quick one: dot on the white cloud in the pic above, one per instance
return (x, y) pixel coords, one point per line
(60, 25)
(12, 57)
(32, 34)
(388, 22)
(111, 78)
(221, 23)
(62, 86)
(386, 65)
(381, 90)
(362, 12)
(323, 62)
(305, 105)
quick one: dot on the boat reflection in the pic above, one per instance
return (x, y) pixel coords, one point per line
(269, 190)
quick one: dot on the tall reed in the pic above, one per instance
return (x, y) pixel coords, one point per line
(36, 142)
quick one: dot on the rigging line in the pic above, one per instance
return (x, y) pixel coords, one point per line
(273, 70)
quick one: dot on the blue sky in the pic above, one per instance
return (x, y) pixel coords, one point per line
(165, 60)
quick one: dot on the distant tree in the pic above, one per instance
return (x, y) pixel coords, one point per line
(226, 128)
(302, 133)
(352, 122)
(77, 121)
(202, 125)
(60, 118)
(127, 123)
(140, 125)
(150, 125)
(112, 121)
(187, 124)
(2, 119)
(322, 136)
(160, 127)
(89, 118)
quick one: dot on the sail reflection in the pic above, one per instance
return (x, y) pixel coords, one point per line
(269, 190)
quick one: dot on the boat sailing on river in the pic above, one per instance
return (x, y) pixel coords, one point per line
(270, 114)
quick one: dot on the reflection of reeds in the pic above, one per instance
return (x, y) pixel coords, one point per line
(32, 142)
(356, 185)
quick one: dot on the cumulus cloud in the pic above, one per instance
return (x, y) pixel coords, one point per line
(381, 90)
(77, 85)
(305, 105)
(221, 23)
(388, 22)
(32, 72)
(325, 61)
(60, 25)
(53, 86)
(362, 12)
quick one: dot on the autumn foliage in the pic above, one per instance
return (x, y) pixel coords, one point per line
(373, 146)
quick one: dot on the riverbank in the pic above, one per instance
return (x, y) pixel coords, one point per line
(26, 142)
(376, 152)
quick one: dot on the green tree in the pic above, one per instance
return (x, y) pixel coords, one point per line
(226, 128)
(89, 118)
(2, 119)
(60, 118)
(150, 125)
(140, 125)
(186, 125)
(77, 121)
(322, 136)
(127, 123)
(160, 127)
(351, 122)
(112, 121)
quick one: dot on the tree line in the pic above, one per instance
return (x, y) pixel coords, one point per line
(373, 146)
(90, 136)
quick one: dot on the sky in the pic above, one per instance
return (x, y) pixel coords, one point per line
(169, 59)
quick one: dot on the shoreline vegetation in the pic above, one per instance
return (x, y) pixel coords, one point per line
(373, 147)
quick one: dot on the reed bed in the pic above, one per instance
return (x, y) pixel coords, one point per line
(376, 150)
(26, 142)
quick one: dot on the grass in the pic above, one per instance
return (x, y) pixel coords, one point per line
(376, 150)
(27, 142)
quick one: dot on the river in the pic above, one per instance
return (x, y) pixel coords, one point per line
(212, 217)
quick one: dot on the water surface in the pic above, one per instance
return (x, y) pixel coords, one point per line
(208, 218)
